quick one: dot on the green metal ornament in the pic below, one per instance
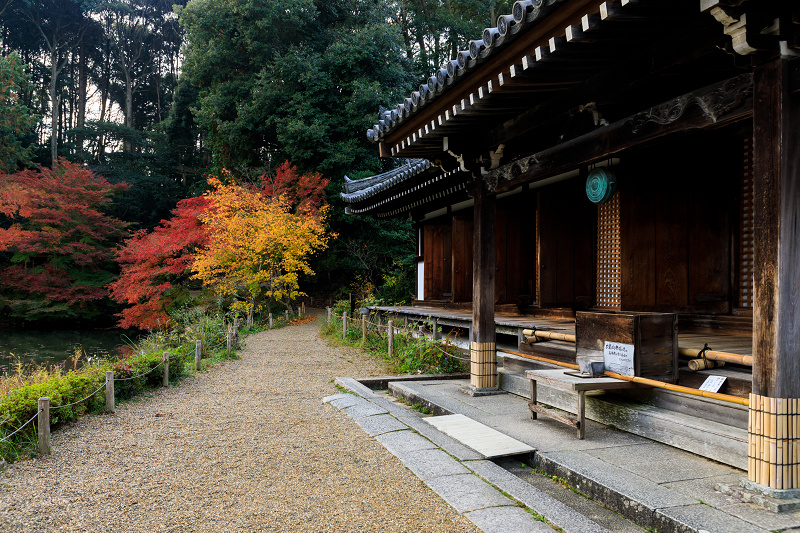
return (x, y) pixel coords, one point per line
(601, 185)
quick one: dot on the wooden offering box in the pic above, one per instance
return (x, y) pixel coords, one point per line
(654, 337)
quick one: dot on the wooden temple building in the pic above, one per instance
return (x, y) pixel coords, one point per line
(588, 167)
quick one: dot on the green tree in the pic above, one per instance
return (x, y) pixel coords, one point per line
(291, 79)
(16, 120)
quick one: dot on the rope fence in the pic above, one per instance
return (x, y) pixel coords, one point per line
(392, 330)
(43, 412)
(20, 428)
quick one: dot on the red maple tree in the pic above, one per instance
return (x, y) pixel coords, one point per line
(58, 240)
(154, 266)
(305, 192)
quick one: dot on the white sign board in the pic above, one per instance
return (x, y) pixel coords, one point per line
(618, 357)
(712, 383)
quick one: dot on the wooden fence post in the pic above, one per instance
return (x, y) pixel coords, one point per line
(229, 341)
(363, 328)
(43, 426)
(329, 315)
(390, 335)
(435, 326)
(344, 324)
(270, 321)
(166, 369)
(198, 353)
(302, 309)
(110, 391)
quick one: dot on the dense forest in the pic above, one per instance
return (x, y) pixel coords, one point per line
(133, 133)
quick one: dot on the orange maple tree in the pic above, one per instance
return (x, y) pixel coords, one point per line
(154, 266)
(258, 245)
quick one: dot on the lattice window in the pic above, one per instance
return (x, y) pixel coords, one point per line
(746, 229)
(609, 269)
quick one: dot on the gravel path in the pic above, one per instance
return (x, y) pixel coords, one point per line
(247, 447)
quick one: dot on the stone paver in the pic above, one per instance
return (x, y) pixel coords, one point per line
(379, 424)
(507, 520)
(702, 517)
(428, 464)
(400, 442)
(556, 512)
(466, 492)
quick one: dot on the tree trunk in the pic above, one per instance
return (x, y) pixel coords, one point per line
(55, 103)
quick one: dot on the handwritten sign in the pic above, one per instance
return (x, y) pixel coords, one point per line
(618, 357)
(712, 383)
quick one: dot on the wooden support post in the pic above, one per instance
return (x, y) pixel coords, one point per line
(270, 321)
(165, 380)
(303, 309)
(483, 355)
(776, 285)
(229, 342)
(581, 416)
(329, 315)
(344, 324)
(110, 408)
(435, 329)
(198, 353)
(390, 336)
(43, 426)
(363, 328)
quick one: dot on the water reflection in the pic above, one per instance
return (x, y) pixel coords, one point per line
(57, 347)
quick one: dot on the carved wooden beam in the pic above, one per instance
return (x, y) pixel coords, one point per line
(718, 104)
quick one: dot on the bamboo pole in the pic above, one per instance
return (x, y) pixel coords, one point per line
(549, 335)
(751, 441)
(644, 381)
(746, 360)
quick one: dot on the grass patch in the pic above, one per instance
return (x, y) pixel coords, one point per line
(413, 353)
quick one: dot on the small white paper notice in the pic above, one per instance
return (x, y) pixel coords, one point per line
(712, 383)
(618, 357)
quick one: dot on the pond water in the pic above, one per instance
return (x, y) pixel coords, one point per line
(55, 347)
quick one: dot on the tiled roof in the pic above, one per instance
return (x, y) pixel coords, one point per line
(359, 190)
(526, 14)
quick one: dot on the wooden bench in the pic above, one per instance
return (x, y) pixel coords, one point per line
(567, 379)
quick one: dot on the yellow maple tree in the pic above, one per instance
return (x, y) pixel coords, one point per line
(257, 246)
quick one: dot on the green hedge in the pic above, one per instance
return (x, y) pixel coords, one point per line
(19, 405)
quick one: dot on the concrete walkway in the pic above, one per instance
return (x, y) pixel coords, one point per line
(656, 486)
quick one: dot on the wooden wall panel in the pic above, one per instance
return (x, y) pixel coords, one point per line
(437, 257)
(672, 284)
(676, 221)
(638, 234)
(462, 259)
(501, 256)
(566, 246)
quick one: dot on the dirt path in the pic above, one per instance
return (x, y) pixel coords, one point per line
(247, 447)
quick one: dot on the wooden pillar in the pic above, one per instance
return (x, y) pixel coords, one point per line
(483, 354)
(774, 437)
